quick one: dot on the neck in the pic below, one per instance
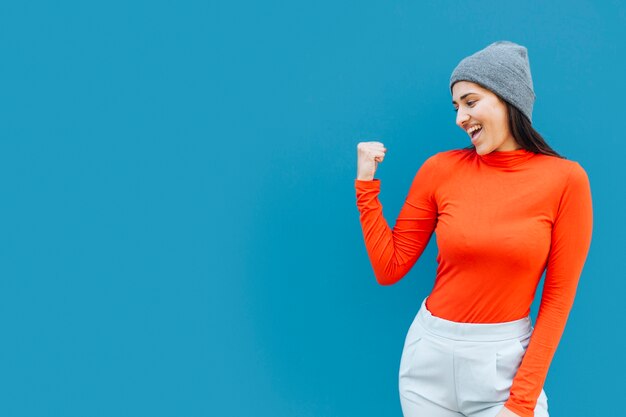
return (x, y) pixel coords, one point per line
(505, 159)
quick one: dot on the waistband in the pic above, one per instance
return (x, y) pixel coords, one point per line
(483, 332)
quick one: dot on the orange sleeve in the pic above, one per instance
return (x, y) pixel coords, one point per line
(393, 253)
(571, 239)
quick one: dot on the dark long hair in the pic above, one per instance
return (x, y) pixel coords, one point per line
(524, 133)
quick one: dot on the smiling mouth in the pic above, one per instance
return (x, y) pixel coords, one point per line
(476, 134)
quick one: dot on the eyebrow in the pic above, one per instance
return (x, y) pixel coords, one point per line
(463, 96)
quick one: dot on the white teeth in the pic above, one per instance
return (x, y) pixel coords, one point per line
(473, 129)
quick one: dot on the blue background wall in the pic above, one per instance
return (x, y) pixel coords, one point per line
(179, 234)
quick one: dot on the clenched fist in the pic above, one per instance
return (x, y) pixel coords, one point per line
(369, 154)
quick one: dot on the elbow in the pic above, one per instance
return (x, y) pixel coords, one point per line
(387, 279)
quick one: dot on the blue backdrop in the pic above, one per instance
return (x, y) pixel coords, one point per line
(179, 232)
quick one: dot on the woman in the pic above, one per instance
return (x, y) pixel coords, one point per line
(505, 209)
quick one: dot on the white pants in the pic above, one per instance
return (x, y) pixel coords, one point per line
(451, 369)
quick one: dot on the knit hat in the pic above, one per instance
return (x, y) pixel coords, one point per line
(503, 68)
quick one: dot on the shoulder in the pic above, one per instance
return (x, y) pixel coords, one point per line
(443, 160)
(449, 157)
(567, 177)
(440, 166)
(565, 169)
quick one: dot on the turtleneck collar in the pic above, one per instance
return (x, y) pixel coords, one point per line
(506, 159)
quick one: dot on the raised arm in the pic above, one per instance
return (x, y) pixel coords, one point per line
(393, 253)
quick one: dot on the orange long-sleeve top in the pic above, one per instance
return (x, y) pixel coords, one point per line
(501, 220)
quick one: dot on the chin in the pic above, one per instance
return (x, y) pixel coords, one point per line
(484, 148)
(480, 150)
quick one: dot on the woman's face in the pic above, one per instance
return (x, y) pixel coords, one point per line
(477, 106)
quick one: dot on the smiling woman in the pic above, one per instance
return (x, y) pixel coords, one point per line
(505, 209)
(509, 127)
(481, 111)
(512, 129)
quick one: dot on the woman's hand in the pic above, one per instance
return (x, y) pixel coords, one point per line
(369, 154)
(505, 412)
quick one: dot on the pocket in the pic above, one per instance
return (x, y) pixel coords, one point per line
(509, 357)
(524, 341)
(411, 342)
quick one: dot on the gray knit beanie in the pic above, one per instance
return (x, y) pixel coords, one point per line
(503, 68)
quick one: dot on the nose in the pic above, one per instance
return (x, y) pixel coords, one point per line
(461, 117)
